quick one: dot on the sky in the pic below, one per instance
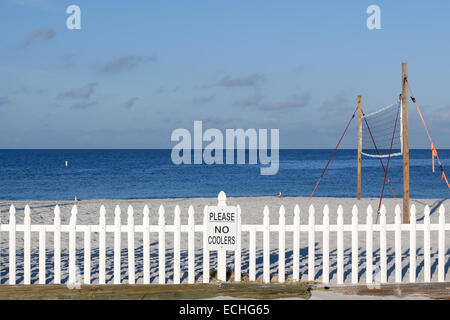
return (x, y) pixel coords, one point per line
(137, 70)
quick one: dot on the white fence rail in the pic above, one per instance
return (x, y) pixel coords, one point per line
(311, 230)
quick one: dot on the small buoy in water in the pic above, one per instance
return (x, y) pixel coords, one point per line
(67, 164)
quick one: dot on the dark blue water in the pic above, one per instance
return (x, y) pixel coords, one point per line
(41, 175)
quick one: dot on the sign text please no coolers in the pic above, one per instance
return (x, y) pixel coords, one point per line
(222, 227)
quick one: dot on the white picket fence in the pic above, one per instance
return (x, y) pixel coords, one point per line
(73, 229)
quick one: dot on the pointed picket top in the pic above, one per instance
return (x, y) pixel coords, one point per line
(297, 209)
(266, 215)
(205, 213)
(355, 211)
(191, 215)
(397, 212)
(57, 212)
(441, 210)
(130, 212)
(311, 216)
(177, 212)
(326, 210)
(146, 211)
(73, 214)
(27, 212)
(311, 210)
(161, 213)
(12, 210)
(27, 219)
(427, 212)
(369, 211)
(222, 199)
(282, 211)
(340, 214)
(383, 209)
(413, 210)
(296, 215)
(340, 210)
(441, 215)
(191, 212)
(383, 214)
(102, 211)
(117, 212)
(326, 215)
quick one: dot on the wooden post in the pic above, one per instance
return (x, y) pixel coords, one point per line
(405, 137)
(358, 193)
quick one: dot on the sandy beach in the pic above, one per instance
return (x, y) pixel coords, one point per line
(252, 213)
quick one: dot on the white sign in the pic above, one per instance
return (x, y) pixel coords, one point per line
(222, 228)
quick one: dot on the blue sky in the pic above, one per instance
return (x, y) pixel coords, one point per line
(137, 70)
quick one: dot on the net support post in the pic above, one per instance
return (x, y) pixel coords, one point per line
(358, 192)
(405, 142)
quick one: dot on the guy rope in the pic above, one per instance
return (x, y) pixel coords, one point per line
(434, 153)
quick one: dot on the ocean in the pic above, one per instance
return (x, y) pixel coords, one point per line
(130, 174)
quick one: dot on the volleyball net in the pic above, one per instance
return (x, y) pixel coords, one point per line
(382, 132)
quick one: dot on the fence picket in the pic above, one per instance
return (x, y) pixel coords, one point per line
(355, 245)
(87, 256)
(252, 255)
(72, 244)
(27, 246)
(131, 254)
(12, 245)
(426, 245)
(161, 246)
(296, 244)
(221, 254)
(383, 258)
(191, 245)
(42, 256)
(205, 247)
(57, 245)
(176, 245)
(412, 244)
(369, 246)
(281, 245)
(266, 246)
(441, 253)
(311, 243)
(340, 245)
(326, 244)
(398, 245)
(117, 244)
(237, 252)
(102, 246)
(146, 244)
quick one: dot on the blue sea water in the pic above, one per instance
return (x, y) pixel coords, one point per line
(93, 174)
